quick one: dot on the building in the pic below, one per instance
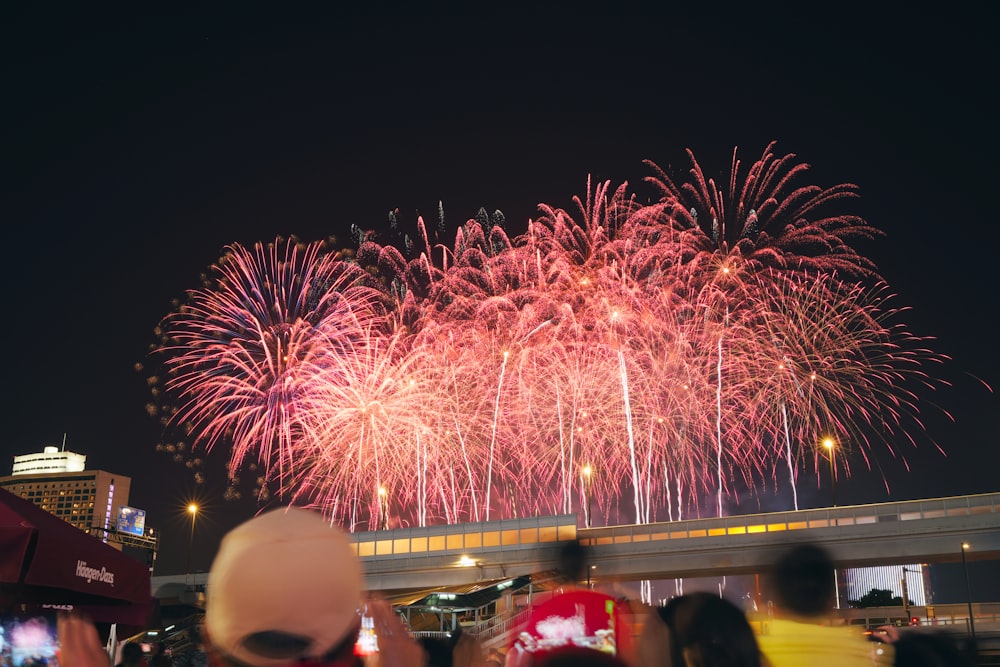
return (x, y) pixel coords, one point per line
(58, 482)
(52, 459)
(88, 499)
(95, 501)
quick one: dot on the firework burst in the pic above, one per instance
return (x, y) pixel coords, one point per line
(697, 345)
(243, 352)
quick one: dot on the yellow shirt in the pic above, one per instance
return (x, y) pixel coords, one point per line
(792, 644)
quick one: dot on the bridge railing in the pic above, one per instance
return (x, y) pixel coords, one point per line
(744, 524)
(501, 624)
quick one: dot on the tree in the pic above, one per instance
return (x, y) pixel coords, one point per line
(878, 597)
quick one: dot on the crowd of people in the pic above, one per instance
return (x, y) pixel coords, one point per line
(285, 590)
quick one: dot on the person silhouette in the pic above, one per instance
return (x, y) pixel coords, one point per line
(804, 586)
(697, 630)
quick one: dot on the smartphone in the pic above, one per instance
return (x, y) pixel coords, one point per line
(367, 643)
(29, 640)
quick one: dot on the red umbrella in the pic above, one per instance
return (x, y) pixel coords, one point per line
(46, 561)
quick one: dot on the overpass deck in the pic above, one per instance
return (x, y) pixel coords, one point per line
(892, 533)
(929, 530)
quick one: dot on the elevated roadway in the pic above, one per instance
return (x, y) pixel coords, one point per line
(925, 531)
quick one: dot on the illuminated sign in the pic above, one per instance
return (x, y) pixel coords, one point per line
(131, 520)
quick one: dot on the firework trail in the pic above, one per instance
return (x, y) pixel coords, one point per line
(699, 345)
(726, 241)
(243, 352)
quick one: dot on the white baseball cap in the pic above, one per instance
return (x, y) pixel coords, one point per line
(285, 585)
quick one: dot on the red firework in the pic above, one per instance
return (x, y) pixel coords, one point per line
(698, 345)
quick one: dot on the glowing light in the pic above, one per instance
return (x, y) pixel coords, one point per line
(290, 359)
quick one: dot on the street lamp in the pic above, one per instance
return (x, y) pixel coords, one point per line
(968, 593)
(192, 509)
(906, 592)
(586, 474)
(383, 508)
(828, 443)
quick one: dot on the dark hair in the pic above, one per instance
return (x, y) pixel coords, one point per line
(131, 654)
(573, 559)
(576, 656)
(709, 631)
(440, 652)
(804, 581)
(929, 649)
(668, 614)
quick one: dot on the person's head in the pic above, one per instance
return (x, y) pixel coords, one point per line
(928, 649)
(576, 656)
(699, 630)
(572, 560)
(284, 587)
(803, 581)
(713, 632)
(132, 654)
(439, 651)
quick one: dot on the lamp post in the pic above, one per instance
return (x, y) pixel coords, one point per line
(968, 593)
(906, 593)
(828, 443)
(192, 509)
(586, 473)
(383, 508)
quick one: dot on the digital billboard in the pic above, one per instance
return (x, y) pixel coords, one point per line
(131, 520)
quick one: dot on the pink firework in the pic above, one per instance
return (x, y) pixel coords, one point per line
(840, 361)
(697, 345)
(242, 353)
(765, 218)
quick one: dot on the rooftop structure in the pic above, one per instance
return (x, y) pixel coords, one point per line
(51, 459)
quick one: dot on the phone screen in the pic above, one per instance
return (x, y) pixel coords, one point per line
(367, 643)
(29, 640)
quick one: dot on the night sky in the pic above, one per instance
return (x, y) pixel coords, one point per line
(135, 147)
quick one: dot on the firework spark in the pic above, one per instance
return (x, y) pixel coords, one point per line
(244, 351)
(697, 345)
